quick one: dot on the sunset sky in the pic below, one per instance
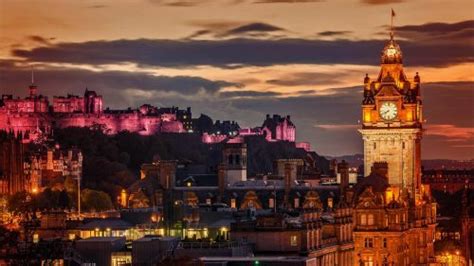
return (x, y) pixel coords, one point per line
(241, 59)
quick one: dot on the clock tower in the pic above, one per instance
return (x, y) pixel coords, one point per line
(392, 121)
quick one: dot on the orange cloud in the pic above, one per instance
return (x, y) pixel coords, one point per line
(451, 131)
(337, 127)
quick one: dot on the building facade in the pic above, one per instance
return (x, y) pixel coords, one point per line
(394, 214)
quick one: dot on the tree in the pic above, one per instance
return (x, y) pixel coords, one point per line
(93, 200)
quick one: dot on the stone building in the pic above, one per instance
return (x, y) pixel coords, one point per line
(394, 214)
(12, 153)
(52, 163)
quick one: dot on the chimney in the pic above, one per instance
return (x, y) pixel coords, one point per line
(343, 170)
(221, 181)
(380, 168)
(288, 182)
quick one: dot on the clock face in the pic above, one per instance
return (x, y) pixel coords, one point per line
(388, 110)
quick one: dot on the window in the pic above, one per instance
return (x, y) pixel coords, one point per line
(384, 243)
(231, 159)
(369, 261)
(369, 242)
(271, 203)
(363, 219)
(237, 159)
(208, 201)
(294, 240)
(233, 203)
(370, 220)
(297, 203)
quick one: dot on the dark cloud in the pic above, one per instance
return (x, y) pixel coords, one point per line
(179, 3)
(431, 33)
(226, 29)
(252, 28)
(285, 1)
(381, 2)
(97, 6)
(199, 33)
(111, 83)
(248, 93)
(438, 28)
(255, 52)
(307, 78)
(40, 39)
(334, 33)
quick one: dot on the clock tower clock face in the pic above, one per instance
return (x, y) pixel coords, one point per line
(388, 111)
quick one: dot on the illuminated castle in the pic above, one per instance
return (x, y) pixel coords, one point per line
(34, 115)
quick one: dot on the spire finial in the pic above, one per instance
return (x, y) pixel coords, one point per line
(391, 24)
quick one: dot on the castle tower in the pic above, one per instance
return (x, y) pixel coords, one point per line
(392, 121)
(235, 162)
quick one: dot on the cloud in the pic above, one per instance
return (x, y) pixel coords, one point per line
(285, 1)
(179, 3)
(337, 127)
(381, 2)
(227, 29)
(248, 93)
(111, 83)
(97, 6)
(307, 78)
(252, 28)
(438, 28)
(451, 131)
(40, 39)
(334, 33)
(432, 33)
(438, 52)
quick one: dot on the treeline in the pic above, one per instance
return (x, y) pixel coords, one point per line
(112, 163)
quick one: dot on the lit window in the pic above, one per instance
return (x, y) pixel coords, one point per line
(363, 219)
(369, 243)
(297, 203)
(35, 238)
(271, 203)
(370, 220)
(294, 240)
(233, 203)
(208, 201)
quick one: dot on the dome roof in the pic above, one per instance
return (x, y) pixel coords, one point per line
(391, 53)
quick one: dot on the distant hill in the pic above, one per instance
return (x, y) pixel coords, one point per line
(358, 159)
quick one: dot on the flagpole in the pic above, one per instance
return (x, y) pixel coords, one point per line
(391, 23)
